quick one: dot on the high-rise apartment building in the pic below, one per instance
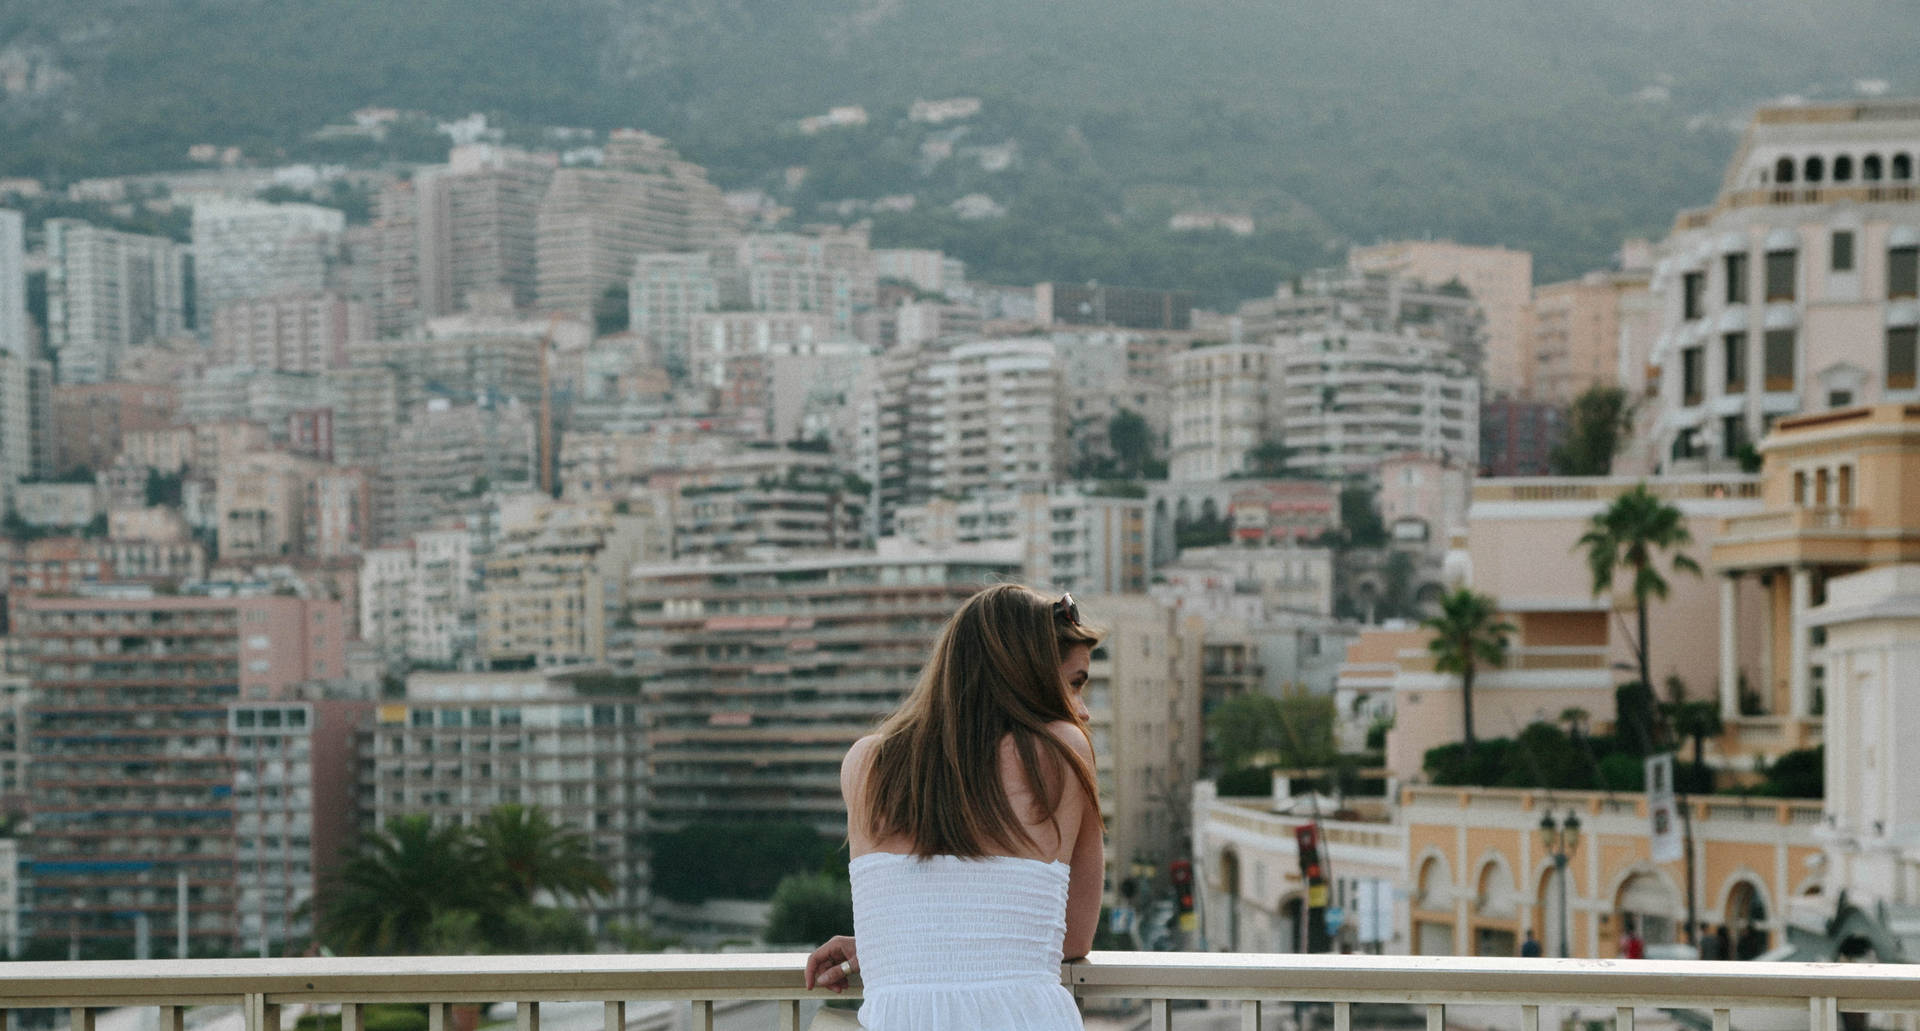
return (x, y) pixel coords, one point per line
(460, 744)
(13, 284)
(108, 292)
(1574, 334)
(413, 239)
(757, 676)
(1798, 289)
(1350, 398)
(493, 210)
(1225, 404)
(980, 415)
(664, 295)
(418, 601)
(248, 249)
(139, 778)
(22, 407)
(1499, 280)
(91, 420)
(761, 500)
(553, 586)
(593, 222)
(445, 459)
(290, 332)
(1069, 539)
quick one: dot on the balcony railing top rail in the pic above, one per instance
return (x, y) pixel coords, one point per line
(260, 986)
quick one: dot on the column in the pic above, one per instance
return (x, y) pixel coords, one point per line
(1729, 648)
(1799, 691)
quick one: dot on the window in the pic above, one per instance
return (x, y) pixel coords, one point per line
(1783, 170)
(1903, 166)
(1733, 435)
(1820, 488)
(1686, 443)
(1780, 271)
(1800, 488)
(1692, 286)
(1870, 168)
(1901, 345)
(1736, 279)
(1843, 169)
(1843, 487)
(1839, 398)
(1693, 363)
(1778, 372)
(1842, 250)
(1733, 363)
(1903, 272)
(1816, 170)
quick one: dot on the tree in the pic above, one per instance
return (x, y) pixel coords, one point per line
(759, 855)
(810, 908)
(528, 853)
(1361, 518)
(1467, 634)
(1131, 440)
(1252, 729)
(1596, 420)
(1270, 457)
(610, 310)
(1627, 537)
(1696, 721)
(393, 895)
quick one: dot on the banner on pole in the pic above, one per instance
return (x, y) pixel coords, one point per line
(1662, 811)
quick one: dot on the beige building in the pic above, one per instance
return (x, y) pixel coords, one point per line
(289, 332)
(1143, 693)
(554, 582)
(1522, 549)
(1574, 334)
(1069, 539)
(1798, 289)
(1838, 490)
(271, 504)
(1501, 280)
(459, 744)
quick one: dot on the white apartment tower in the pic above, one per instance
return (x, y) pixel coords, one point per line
(108, 292)
(1798, 289)
(248, 249)
(13, 283)
(1226, 402)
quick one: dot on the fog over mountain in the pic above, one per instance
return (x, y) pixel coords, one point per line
(1552, 126)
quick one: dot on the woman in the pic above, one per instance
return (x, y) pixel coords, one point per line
(973, 817)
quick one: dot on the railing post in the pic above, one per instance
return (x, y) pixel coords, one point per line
(172, 1018)
(258, 1014)
(1529, 1018)
(81, 1020)
(1623, 1018)
(789, 1014)
(352, 1018)
(436, 1017)
(1250, 1015)
(1826, 1013)
(1342, 1016)
(1162, 1011)
(526, 1017)
(702, 1015)
(1436, 1016)
(616, 1015)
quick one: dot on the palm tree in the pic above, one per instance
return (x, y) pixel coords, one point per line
(529, 853)
(1467, 634)
(1697, 720)
(398, 883)
(1625, 538)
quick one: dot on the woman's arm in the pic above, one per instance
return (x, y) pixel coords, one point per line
(1086, 880)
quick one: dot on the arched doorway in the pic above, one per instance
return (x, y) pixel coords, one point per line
(1230, 894)
(1433, 921)
(1746, 921)
(1496, 909)
(1646, 903)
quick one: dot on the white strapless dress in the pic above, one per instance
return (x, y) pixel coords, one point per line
(951, 944)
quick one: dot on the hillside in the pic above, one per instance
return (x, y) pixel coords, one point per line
(1554, 127)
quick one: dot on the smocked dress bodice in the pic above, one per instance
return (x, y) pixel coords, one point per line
(948, 943)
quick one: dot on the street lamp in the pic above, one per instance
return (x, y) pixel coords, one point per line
(1561, 840)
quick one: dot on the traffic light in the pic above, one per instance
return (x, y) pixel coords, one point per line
(1180, 872)
(1306, 839)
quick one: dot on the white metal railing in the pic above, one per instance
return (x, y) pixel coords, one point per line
(1716, 991)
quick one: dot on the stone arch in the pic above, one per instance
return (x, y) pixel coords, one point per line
(1902, 166)
(1871, 168)
(1814, 169)
(1433, 887)
(1648, 900)
(1495, 893)
(1843, 168)
(1230, 892)
(1426, 599)
(1546, 910)
(1783, 171)
(1746, 914)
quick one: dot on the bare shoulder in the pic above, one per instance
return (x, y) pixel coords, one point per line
(1074, 736)
(859, 757)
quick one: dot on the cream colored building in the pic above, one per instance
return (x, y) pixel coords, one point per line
(1500, 279)
(555, 581)
(1069, 539)
(1574, 334)
(1838, 490)
(1798, 289)
(1143, 692)
(1226, 402)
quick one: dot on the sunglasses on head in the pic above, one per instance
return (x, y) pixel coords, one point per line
(1067, 610)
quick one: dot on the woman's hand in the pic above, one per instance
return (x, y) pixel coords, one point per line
(832, 965)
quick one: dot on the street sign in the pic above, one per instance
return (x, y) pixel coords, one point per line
(1335, 917)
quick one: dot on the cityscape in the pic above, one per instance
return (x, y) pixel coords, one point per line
(495, 552)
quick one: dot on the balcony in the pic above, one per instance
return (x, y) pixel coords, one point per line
(1813, 535)
(647, 992)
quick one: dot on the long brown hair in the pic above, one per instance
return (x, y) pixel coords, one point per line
(994, 674)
